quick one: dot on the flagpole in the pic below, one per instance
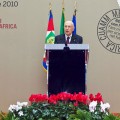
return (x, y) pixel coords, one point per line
(63, 4)
(75, 7)
(50, 6)
(47, 62)
(47, 54)
(75, 4)
(74, 17)
(62, 19)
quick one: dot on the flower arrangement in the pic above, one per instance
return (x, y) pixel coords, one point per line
(63, 106)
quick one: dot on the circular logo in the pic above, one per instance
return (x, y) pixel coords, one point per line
(108, 31)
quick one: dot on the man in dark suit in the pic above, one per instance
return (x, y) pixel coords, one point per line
(73, 39)
(65, 78)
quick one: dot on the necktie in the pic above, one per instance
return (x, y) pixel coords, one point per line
(68, 40)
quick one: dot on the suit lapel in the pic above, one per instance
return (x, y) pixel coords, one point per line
(73, 39)
(62, 38)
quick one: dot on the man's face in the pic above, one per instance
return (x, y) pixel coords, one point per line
(68, 28)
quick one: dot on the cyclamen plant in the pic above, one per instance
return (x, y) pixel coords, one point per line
(97, 107)
(17, 109)
(61, 106)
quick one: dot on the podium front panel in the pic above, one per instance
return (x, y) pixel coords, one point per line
(66, 71)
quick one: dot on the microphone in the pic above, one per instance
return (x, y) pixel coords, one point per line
(66, 48)
(65, 43)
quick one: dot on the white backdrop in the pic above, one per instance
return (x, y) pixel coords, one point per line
(21, 48)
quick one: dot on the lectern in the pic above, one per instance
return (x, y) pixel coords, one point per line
(66, 67)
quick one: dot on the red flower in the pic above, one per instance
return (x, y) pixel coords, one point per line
(91, 97)
(64, 96)
(38, 98)
(80, 97)
(76, 104)
(53, 99)
(98, 97)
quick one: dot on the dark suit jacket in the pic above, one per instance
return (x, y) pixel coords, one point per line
(76, 39)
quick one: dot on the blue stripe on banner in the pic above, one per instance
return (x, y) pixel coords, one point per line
(74, 22)
(44, 65)
(51, 16)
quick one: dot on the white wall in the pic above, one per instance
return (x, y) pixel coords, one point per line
(21, 49)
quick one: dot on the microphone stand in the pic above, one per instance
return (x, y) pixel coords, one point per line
(66, 48)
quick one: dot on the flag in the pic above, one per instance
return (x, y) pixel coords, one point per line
(50, 37)
(74, 21)
(62, 22)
